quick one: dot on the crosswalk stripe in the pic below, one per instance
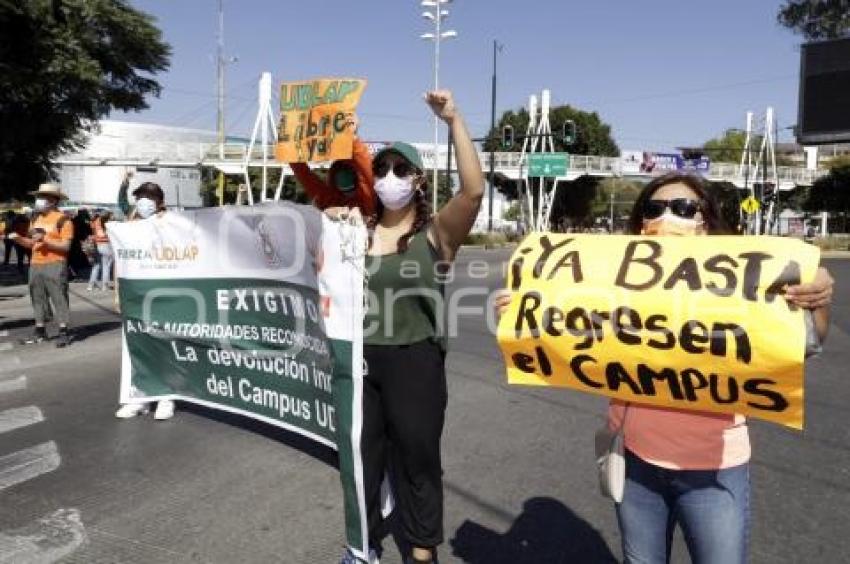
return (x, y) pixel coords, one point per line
(6, 346)
(13, 384)
(49, 539)
(28, 463)
(18, 417)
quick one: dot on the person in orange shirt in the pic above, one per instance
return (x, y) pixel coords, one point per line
(49, 239)
(349, 182)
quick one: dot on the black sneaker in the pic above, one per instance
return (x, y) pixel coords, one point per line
(38, 336)
(63, 339)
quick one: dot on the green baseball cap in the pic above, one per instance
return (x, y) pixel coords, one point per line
(406, 150)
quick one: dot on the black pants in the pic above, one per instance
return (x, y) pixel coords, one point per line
(404, 404)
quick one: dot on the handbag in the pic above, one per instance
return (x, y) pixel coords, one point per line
(611, 461)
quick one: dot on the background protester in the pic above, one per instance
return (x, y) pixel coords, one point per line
(150, 202)
(21, 228)
(102, 256)
(349, 182)
(78, 262)
(7, 225)
(404, 395)
(687, 467)
(49, 240)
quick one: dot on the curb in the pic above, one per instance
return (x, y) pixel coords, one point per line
(835, 254)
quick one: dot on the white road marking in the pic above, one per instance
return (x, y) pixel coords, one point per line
(13, 384)
(18, 417)
(28, 463)
(48, 540)
(6, 346)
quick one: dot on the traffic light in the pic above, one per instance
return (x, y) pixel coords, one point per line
(569, 132)
(768, 192)
(507, 136)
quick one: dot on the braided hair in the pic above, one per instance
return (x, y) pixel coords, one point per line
(420, 221)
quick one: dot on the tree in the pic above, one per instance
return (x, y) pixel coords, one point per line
(290, 191)
(728, 148)
(64, 64)
(446, 189)
(513, 213)
(831, 193)
(816, 19)
(573, 202)
(593, 136)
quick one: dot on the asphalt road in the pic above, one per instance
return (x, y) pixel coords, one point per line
(78, 485)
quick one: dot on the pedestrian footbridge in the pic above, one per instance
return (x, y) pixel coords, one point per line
(233, 158)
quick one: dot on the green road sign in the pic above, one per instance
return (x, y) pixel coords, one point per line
(548, 164)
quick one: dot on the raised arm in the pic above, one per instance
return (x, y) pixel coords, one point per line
(453, 223)
(365, 184)
(123, 198)
(316, 188)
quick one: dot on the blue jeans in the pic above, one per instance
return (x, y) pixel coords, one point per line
(711, 506)
(102, 265)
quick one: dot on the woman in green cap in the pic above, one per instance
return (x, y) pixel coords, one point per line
(404, 389)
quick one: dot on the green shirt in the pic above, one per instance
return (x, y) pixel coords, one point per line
(405, 295)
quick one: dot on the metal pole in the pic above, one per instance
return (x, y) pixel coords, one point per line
(492, 146)
(761, 189)
(220, 120)
(438, 14)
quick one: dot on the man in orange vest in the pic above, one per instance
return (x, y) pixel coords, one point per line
(49, 239)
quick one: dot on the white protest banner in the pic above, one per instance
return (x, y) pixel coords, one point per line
(252, 310)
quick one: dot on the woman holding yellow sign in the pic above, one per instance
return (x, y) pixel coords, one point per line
(404, 390)
(690, 468)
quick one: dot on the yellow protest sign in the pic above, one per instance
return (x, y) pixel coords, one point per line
(312, 119)
(750, 205)
(695, 323)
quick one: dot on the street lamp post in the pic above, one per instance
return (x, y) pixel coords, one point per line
(221, 61)
(437, 15)
(496, 47)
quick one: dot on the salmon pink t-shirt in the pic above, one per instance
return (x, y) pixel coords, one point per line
(682, 440)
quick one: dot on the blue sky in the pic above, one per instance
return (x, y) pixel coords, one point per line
(663, 73)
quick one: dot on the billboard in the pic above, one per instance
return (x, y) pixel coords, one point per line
(823, 115)
(645, 162)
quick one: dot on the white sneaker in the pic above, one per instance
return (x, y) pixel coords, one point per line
(129, 410)
(349, 558)
(164, 410)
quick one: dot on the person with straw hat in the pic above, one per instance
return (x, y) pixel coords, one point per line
(49, 239)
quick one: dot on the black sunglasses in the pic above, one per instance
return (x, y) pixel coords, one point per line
(682, 207)
(400, 168)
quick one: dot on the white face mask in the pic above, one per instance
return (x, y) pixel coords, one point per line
(671, 224)
(42, 204)
(394, 192)
(145, 207)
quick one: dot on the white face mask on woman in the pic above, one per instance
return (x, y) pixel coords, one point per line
(42, 204)
(671, 224)
(145, 207)
(394, 192)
